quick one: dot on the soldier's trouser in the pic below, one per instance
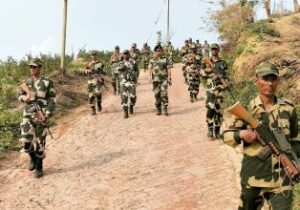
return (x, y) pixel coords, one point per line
(115, 82)
(213, 104)
(184, 73)
(252, 198)
(128, 90)
(94, 91)
(33, 137)
(160, 90)
(194, 84)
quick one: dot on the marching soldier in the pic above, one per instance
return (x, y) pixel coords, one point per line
(128, 73)
(39, 96)
(95, 83)
(169, 52)
(145, 53)
(161, 78)
(116, 57)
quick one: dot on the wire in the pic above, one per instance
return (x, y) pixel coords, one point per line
(156, 21)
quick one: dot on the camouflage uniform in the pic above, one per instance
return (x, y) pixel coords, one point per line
(184, 52)
(33, 131)
(128, 72)
(263, 178)
(206, 49)
(145, 54)
(135, 55)
(193, 75)
(214, 95)
(159, 68)
(169, 53)
(116, 57)
(95, 84)
(199, 48)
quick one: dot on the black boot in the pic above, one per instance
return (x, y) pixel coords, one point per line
(217, 132)
(191, 99)
(38, 168)
(131, 110)
(99, 107)
(210, 133)
(165, 110)
(93, 110)
(158, 111)
(31, 164)
(125, 112)
(195, 98)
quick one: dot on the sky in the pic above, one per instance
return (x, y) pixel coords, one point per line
(34, 26)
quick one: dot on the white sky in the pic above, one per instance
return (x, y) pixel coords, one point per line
(35, 25)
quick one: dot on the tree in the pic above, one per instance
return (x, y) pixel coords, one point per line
(268, 8)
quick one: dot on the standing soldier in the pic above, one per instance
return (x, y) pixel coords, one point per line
(38, 94)
(116, 57)
(95, 83)
(199, 48)
(206, 48)
(193, 65)
(263, 176)
(216, 70)
(169, 53)
(145, 53)
(135, 55)
(184, 52)
(128, 72)
(161, 78)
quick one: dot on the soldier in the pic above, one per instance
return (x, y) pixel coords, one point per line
(95, 83)
(145, 53)
(128, 72)
(184, 52)
(206, 48)
(169, 52)
(216, 75)
(193, 65)
(135, 54)
(116, 57)
(199, 48)
(161, 78)
(38, 94)
(264, 178)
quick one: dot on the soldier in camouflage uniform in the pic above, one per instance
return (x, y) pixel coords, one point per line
(161, 78)
(199, 48)
(193, 65)
(184, 52)
(95, 83)
(214, 92)
(145, 53)
(264, 178)
(116, 57)
(135, 55)
(169, 53)
(206, 48)
(39, 106)
(128, 72)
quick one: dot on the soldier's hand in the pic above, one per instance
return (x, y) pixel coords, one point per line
(248, 136)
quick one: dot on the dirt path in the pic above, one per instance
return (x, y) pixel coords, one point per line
(144, 162)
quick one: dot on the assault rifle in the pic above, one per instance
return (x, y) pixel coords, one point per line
(267, 138)
(211, 65)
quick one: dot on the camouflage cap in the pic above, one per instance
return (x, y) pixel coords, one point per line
(126, 52)
(265, 68)
(214, 46)
(35, 62)
(93, 52)
(158, 47)
(117, 47)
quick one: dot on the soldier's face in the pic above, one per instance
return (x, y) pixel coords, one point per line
(94, 56)
(214, 52)
(126, 56)
(159, 52)
(35, 70)
(267, 85)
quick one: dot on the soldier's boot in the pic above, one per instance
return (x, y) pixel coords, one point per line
(158, 111)
(99, 107)
(195, 98)
(165, 110)
(38, 168)
(115, 88)
(217, 132)
(93, 110)
(191, 99)
(210, 133)
(32, 159)
(131, 109)
(125, 112)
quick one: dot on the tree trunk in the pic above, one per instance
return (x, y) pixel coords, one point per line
(268, 8)
(296, 6)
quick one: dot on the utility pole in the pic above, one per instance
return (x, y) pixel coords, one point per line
(168, 22)
(64, 34)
